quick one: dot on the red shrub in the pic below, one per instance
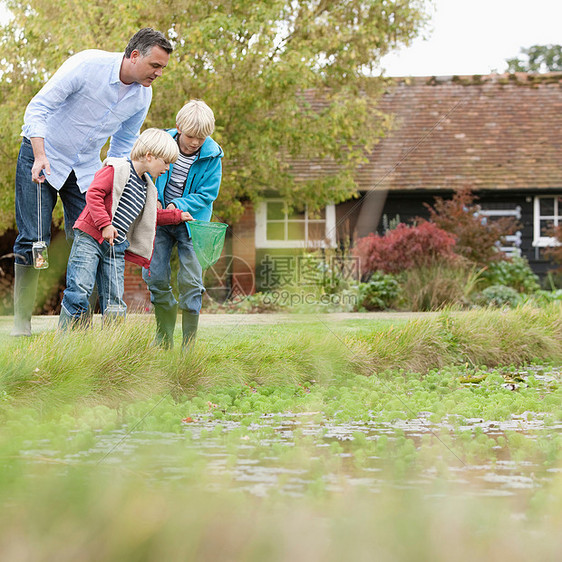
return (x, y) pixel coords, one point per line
(404, 247)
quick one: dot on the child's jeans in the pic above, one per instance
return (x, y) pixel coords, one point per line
(89, 263)
(158, 276)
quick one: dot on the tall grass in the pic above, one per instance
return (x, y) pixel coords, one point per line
(120, 362)
(440, 285)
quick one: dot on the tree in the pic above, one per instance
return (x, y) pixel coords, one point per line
(538, 58)
(287, 79)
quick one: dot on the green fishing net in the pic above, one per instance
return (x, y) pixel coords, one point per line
(208, 241)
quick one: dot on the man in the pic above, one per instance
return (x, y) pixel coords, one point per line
(93, 96)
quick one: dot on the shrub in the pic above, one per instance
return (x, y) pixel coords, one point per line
(498, 296)
(379, 293)
(405, 247)
(477, 236)
(514, 272)
(543, 298)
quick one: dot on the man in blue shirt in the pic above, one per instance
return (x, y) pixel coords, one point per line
(94, 95)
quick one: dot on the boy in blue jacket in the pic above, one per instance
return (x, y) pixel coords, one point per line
(191, 184)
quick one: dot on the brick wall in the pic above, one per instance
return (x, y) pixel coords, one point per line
(136, 295)
(244, 251)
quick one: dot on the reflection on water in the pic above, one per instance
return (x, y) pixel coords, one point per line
(270, 455)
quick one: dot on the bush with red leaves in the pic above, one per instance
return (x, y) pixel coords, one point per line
(405, 247)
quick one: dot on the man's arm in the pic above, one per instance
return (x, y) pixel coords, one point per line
(53, 94)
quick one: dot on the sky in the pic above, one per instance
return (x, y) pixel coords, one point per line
(474, 36)
(477, 36)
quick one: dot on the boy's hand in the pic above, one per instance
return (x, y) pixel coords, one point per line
(158, 204)
(185, 216)
(109, 233)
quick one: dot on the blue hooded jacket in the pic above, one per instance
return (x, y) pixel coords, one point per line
(202, 184)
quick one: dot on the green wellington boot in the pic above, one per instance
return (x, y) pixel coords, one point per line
(189, 323)
(25, 290)
(165, 325)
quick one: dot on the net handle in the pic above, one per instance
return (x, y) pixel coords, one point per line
(112, 268)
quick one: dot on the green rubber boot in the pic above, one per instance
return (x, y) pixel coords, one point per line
(165, 325)
(25, 290)
(189, 323)
(66, 321)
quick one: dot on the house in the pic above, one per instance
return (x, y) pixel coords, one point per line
(500, 135)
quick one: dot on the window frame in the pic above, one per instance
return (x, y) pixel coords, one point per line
(261, 240)
(546, 241)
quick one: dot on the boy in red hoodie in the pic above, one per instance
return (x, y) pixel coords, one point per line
(118, 223)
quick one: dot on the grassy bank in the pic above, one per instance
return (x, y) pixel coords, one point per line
(120, 362)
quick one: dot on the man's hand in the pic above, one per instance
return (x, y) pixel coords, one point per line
(185, 216)
(38, 167)
(171, 206)
(40, 164)
(158, 204)
(109, 233)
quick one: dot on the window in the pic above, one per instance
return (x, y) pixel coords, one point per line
(547, 215)
(275, 228)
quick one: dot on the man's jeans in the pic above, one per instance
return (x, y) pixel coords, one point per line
(27, 212)
(190, 274)
(91, 262)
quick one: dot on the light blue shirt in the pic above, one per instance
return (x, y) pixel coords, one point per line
(79, 108)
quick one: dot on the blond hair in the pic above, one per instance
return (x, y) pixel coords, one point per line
(158, 143)
(196, 119)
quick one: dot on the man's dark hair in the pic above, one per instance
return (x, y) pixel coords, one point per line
(145, 39)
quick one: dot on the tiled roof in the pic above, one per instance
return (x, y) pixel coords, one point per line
(485, 132)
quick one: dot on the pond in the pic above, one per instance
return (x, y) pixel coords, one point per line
(290, 453)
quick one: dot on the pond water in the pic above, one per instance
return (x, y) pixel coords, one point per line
(289, 453)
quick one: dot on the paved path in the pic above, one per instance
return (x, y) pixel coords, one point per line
(47, 323)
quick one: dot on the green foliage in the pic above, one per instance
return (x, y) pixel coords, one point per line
(514, 272)
(543, 298)
(538, 58)
(379, 293)
(498, 296)
(477, 236)
(279, 75)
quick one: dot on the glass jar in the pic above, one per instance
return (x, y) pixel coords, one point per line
(40, 255)
(114, 313)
